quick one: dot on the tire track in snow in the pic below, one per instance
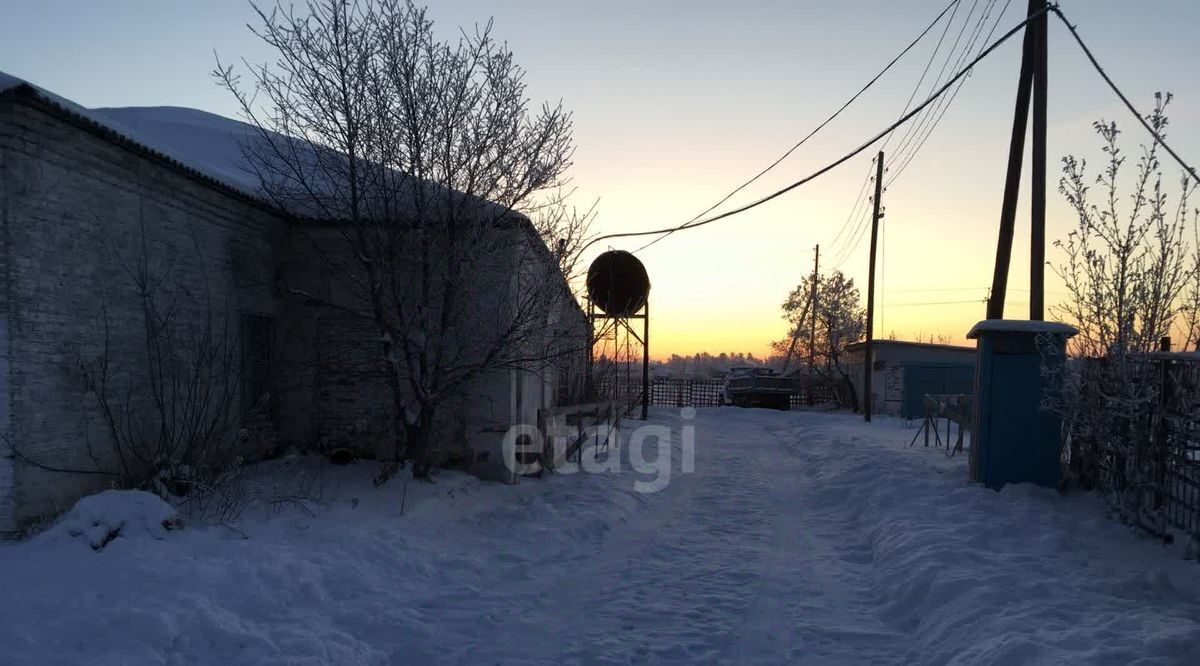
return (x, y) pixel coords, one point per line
(815, 603)
(678, 593)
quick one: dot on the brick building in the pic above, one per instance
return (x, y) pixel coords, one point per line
(86, 194)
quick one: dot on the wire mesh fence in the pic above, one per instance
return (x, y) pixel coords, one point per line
(674, 392)
(686, 392)
(1134, 437)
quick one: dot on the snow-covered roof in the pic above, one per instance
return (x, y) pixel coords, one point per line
(853, 346)
(1020, 326)
(203, 143)
(209, 143)
(8, 81)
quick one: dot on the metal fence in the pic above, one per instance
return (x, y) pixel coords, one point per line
(1136, 440)
(686, 392)
(707, 393)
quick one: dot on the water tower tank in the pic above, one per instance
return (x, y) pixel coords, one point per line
(617, 283)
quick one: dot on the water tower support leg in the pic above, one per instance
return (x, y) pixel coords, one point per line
(646, 361)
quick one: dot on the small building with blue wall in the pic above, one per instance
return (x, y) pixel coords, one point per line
(1016, 438)
(904, 372)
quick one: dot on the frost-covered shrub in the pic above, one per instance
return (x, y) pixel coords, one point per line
(1132, 275)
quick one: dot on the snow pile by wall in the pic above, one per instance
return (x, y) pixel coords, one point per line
(99, 519)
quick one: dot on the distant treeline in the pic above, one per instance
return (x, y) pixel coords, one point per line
(705, 365)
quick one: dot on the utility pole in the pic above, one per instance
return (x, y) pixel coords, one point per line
(1033, 59)
(868, 364)
(812, 322)
(1037, 225)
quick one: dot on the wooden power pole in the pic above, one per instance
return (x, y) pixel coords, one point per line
(868, 358)
(1031, 81)
(1037, 225)
(812, 322)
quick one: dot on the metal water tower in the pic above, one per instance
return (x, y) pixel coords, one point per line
(618, 290)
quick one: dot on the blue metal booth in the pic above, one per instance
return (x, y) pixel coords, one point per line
(1018, 373)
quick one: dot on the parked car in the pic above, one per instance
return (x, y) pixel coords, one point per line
(756, 387)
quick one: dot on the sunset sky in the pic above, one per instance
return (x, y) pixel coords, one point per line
(675, 103)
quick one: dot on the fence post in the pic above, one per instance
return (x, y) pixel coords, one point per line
(1162, 430)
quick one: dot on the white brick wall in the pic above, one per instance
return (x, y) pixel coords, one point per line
(7, 482)
(7, 486)
(74, 205)
(75, 208)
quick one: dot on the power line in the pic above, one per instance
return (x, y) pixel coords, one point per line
(946, 107)
(1186, 167)
(850, 242)
(862, 197)
(862, 189)
(860, 229)
(921, 130)
(924, 72)
(882, 269)
(739, 188)
(916, 130)
(922, 303)
(926, 123)
(841, 160)
(906, 138)
(937, 289)
(843, 251)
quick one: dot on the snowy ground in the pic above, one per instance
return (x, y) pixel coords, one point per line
(799, 538)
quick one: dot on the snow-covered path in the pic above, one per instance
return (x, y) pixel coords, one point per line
(799, 538)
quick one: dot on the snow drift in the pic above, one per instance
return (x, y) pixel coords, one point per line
(800, 538)
(130, 515)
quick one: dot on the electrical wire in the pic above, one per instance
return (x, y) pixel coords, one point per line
(929, 132)
(859, 215)
(862, 196)
(839, 250)
(834, 249)
(857, 235)
(1142, 119)
(906, 138)
(841, 160)
(846, 251)
(925, 72)
(923, 128)
(882, 270)
(920, 130)
(923, 303)
(937, 289)
(760, 174)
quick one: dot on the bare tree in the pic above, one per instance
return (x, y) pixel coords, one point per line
(423, 153)
(169, 395)
(567, 230)
(926, 338)
(190, 436)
